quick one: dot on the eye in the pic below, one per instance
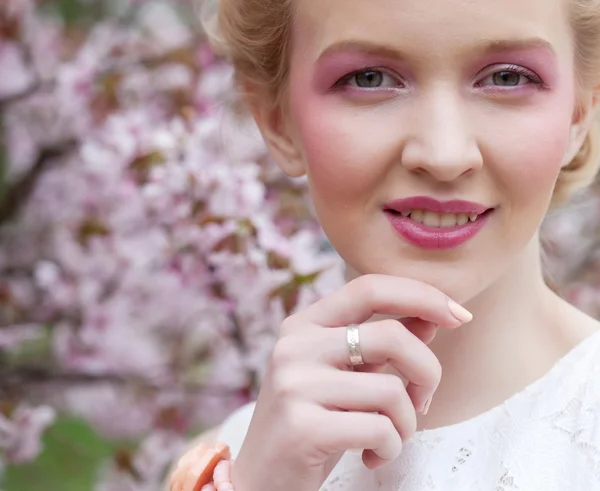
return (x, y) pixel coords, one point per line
(370, 79)
(511, 76)
(510, 79)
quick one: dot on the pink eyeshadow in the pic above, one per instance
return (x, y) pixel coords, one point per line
(329, 69)
(539, 60)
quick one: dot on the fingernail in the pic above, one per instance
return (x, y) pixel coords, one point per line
(459, 312)
(426, 406)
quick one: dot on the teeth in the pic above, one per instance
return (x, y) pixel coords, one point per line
(417, 215)
(448, 220)
(431, 219)
(437, 220)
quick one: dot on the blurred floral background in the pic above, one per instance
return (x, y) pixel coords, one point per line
(149, 248)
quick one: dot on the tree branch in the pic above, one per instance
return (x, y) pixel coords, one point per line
(24, 378)
(17, 195)
(19, 96)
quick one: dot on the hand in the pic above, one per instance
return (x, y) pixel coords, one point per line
(312, 407)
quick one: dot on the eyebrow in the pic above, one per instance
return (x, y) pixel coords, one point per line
(388, 51)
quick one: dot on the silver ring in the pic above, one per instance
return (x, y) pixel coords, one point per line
(354, 345)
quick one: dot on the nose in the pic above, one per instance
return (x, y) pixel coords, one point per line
(441, 142)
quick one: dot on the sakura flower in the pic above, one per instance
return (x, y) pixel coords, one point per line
(20, 432)
(12, 60)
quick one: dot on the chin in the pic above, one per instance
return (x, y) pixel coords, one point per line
(462, 283)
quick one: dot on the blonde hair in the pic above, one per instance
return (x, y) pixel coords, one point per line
(254, 35)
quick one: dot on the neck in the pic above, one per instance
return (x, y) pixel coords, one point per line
(520, 329)
(518, 310)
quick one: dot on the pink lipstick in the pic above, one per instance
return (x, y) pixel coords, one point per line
(433, 237)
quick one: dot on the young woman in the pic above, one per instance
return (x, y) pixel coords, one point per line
(435, 135)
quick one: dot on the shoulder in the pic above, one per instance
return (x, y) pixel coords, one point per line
(586, 371)
(571, 397)
(234, 428)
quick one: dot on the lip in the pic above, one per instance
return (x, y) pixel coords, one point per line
(431, 204)
(426, 237)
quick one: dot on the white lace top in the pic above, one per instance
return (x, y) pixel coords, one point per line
(545, 438)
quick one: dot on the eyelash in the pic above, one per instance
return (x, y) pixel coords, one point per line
(519, 70)
(341, 83)
(531, 76)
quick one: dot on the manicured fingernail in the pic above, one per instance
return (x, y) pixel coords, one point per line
(459, 312)
(426, 407)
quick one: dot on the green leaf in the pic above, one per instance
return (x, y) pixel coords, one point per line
(70, 460)
(37, 350)
(71, 10)
(75, 12)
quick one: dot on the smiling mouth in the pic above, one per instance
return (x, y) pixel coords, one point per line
(439, 220)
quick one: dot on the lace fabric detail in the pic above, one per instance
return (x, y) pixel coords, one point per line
(545, 438)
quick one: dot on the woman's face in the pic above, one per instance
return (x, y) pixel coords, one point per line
(443, 99)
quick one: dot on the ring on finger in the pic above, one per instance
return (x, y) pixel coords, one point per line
(353, 339)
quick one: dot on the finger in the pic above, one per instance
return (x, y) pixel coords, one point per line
(222, 473)
(385, 342)
(367, 392)
(389, 342)
(423, 330)
(340, 431)
(360, 299)
(372, 460)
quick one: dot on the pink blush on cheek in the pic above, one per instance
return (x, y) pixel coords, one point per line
(334, 131)
(314, 116)
(325, 145)
(332, 145)
(531, 153)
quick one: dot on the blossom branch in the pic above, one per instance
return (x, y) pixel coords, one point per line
(20, 96)
(23, 378)
(18, 194)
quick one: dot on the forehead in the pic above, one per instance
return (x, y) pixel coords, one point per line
(429, 27)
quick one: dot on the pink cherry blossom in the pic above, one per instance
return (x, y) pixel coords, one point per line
(12, 60)
(20, 432)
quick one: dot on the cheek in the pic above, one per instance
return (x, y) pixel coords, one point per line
(529, 149)
(344, 148)
(525, 155)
